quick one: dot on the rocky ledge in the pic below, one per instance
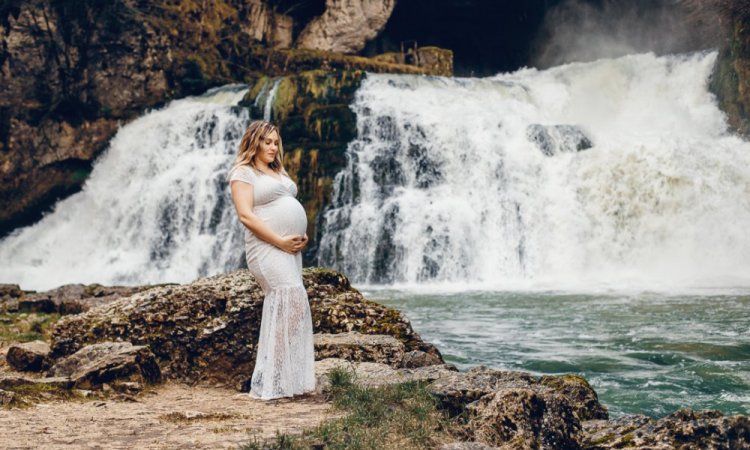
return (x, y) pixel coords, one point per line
(206, 332)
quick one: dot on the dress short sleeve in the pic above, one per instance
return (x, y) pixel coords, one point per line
(242, 173)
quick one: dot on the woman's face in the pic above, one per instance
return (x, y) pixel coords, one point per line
(269, 146)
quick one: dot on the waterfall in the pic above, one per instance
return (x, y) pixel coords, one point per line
(618, 172)
(156, 207)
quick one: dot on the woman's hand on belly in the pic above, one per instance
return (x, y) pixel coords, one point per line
(293, 243)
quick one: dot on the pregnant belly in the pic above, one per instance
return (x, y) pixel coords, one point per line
(285, 216)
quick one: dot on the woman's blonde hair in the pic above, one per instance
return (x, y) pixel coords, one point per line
(250, 143)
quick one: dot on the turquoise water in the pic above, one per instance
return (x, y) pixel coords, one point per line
(644, 353)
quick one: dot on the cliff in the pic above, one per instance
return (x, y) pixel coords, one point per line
(73, 72)
(731, 78)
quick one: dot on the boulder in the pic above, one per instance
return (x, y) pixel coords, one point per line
(207, 330)
(354, 346)
(29, 356)
(101, 363)
(9, 294)
(418, 358)
(554, 139)
(579, 392)
(459, 389)
(525, 418)
(683, 429)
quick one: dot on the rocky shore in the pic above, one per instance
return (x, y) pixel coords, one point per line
(123, 346)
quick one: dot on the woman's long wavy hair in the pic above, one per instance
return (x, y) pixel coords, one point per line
(250, 143)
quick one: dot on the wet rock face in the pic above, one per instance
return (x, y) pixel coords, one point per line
(555, 139)
(207, 330)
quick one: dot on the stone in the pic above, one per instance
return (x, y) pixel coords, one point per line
(374, 374)
(207, 330)
(554, 139)
(683, 429)
(579, 392)
(6, 397)
(29, 356)
(354, 346)
(11, 381)
(465, 446)
(417, 358)
(459, 389)
(10, 290)
(524, 418)
(98, 364)
(9, 294)
(75, 298)
(346, 25)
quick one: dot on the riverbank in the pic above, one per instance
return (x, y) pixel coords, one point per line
(171, 362)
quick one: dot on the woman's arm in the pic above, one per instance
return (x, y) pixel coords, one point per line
(242, 197)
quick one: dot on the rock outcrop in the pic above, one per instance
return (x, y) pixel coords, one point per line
(516, 410)
(683, 429)
(66, 299)
(207, 330)
(730, 81)
(204, 331)
(345, 25)
(73, 73)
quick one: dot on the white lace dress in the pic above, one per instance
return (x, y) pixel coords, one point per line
(284, 364)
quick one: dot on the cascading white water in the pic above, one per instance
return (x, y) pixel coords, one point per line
(156, 207)
(477, 182)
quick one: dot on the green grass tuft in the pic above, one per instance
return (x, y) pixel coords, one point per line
(25, 327)
(398, 416)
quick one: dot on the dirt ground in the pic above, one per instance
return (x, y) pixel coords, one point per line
(171, 416)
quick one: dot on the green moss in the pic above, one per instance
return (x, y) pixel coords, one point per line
(626, 440)
(603, 439)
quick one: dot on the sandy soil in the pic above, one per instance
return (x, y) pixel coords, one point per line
(171, 416)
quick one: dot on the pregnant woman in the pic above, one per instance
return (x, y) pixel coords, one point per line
(275, 224)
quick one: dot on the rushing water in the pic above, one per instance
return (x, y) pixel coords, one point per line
(155, 208)
(591, 218)
(642, 353)
(479, 181)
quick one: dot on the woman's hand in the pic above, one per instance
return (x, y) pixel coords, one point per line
(293, 243)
